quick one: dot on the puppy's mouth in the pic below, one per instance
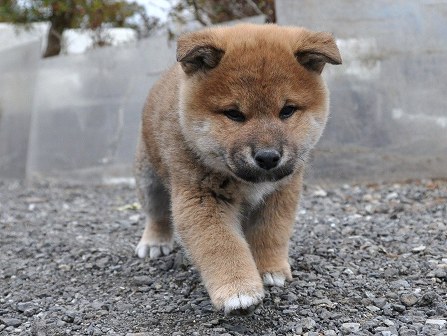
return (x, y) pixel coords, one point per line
(254, 174)
(257, 176)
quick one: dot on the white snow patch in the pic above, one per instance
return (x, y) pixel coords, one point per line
(130, 181)
(398, 113)
(78, 41)
(360, 58)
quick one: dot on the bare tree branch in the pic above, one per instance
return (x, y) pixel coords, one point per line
(254, 6)
(197, 15)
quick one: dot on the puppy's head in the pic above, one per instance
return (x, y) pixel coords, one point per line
(252, 100)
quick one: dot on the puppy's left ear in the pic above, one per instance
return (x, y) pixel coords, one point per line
(197, 52)
(316, 50)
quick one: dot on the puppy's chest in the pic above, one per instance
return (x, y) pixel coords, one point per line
(233, 192)
(255, 194)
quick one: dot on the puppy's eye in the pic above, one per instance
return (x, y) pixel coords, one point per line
(234, 115)
(287, 111)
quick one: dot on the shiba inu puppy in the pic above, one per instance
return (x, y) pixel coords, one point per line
(224, 140)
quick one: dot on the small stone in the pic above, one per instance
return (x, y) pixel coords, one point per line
(372, 308)
(330, 332)
(152, 320)
(180, 261)
(399, 308)
(392, 195)
(430, 329)
(371, 324)
(389, 323)
(38, 327)
(292, 297)
(409, 299)
(418, 326)
(134, 218)
(348, 271)
(400, 284)
(169, 309)
(419, 248)
(348, 328)
(69, 316)
(320, 192)
(308, 323)
(142, 280)
(428, 299)
(219, 330)
(387, 311)
(439, 323)
(392, 295)
(287, 312)
(102, 262)
(404, 331)
(324, 303)
(440, 273)
(385, 333)
(10, 322)
(369, 209)
(22, 306)
(391, 272)
(367, 197)
(61, 323)
(379, 302)
(441, 309)
(64, 267)
(97, 305)
(30, 312)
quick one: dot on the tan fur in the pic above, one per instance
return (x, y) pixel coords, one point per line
(196, 169)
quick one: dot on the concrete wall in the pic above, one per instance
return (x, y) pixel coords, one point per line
(18, 70)
(389, 109)
(87, 109)
(389, 115)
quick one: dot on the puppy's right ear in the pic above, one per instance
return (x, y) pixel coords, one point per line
(196, 52)
(316, 50)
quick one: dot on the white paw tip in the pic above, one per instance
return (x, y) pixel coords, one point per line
(154, 251)
(241, 301)
(166, 249)
(274, 279)
(141, 250)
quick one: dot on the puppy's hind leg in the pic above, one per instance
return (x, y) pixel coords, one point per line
(157, 238)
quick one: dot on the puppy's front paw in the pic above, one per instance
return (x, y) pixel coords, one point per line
(274, 279)
(242, 304)
(238, 298)
(153, 250)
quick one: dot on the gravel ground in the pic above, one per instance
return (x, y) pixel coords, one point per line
(366, 260)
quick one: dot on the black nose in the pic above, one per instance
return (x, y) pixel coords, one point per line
(267, 158)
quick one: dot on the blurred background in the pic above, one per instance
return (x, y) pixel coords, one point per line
(74, 76)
